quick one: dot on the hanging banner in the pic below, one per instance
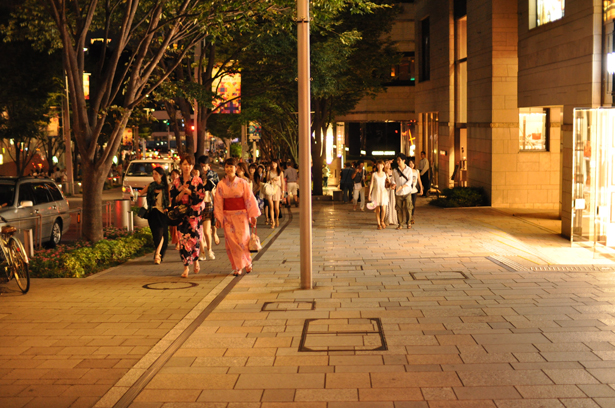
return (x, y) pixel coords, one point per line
(340, 138)
(254, 131)
(228, 91)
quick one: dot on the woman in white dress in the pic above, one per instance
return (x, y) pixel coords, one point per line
(276, 178)
(378, 194)
(391, 214)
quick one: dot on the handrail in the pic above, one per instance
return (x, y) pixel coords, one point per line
(38, 227)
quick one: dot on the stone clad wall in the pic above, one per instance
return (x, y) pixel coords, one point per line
(560, 66)
(437, 93)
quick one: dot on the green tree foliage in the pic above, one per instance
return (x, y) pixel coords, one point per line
(351, 58)
(129, 40)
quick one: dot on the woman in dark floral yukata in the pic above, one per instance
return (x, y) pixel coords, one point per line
(189, 190)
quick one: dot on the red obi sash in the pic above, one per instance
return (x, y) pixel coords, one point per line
(234, 204)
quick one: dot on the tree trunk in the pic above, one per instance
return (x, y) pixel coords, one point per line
(186, 110)
(172, 112)
(201, 133)
(94, 180)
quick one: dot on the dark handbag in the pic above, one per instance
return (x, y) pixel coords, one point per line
(176, 214)
(143, 213)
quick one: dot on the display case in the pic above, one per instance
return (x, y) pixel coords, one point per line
(593, 177)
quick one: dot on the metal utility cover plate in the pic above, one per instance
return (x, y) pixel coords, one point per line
(342, 335)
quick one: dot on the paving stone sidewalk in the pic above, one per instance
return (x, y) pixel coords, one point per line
(470, 308)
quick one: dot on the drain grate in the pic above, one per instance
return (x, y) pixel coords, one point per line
(571, 268)
(506, 263)
(513, 266)
(342, 335)
(289, 306)
(442, 275)
(336, 268)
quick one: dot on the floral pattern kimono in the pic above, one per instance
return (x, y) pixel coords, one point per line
(236, 222)
(190, 230)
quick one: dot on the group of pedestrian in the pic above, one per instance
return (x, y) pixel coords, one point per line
(393, 189)
(202, 199)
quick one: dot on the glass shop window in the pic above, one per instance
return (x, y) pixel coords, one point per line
(533, 130)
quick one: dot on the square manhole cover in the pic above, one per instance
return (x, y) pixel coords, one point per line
(343, 335)
(442, 275)
(288, 306)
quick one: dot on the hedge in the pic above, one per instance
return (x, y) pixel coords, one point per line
(461, 197)
(82, 258)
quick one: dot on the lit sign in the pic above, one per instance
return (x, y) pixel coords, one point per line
(610, 62)
(340, 138)
(329, 145)
(86, 85)
(383, 153)
(228, 91)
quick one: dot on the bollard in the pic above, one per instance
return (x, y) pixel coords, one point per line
(131, 222)
(28, 242)
(122, 217)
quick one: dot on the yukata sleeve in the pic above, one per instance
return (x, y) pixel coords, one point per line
(250, 201)
(174, 191)
(219, 203)
(197, 196)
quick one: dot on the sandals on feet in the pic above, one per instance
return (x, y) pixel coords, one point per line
(248, 269)
(186, 272)
(157, 259)
(197, 268)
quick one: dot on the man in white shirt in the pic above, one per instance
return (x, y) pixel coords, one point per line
(291, 183)
(402, 182)
(424, 169)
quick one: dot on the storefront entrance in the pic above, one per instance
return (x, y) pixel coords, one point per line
(593, 195)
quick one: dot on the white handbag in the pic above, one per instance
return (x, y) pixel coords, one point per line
(255, 242)
(269, 189)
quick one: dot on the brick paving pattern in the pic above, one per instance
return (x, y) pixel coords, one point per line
(460, 329)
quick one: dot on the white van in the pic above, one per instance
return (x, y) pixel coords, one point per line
(138, 175)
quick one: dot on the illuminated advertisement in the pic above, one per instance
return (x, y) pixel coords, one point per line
(548, 11)
(86, 85)
(609, 10)
(254, 131)
(228, 91)
(532, 131)
(127, 137)
(340, 138)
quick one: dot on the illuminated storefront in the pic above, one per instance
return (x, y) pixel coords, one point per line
(593, 195)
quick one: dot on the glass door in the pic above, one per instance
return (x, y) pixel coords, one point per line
(593, 194)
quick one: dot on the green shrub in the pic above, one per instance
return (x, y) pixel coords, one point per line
(82, 259)
(461, 197)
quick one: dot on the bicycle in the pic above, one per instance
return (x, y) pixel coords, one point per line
(13, 258)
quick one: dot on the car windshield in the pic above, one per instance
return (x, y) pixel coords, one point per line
(145, 169)
(7, 194)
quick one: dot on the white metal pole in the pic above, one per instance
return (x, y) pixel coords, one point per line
(305, 177)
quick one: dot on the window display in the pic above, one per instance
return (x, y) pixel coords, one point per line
(533, 130)
(548, 11)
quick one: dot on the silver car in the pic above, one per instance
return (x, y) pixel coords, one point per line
(30, 203)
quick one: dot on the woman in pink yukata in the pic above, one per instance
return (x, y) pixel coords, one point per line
(236, 209)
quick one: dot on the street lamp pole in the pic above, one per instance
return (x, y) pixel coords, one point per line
(303, 50)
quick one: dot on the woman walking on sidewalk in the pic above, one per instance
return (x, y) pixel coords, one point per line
(173, 230)
(391, 214)
(378, 194)
(275, 177)
(157, 197)
(190, 191)
(236, 209)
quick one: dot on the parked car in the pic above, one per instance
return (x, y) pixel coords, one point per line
(23, 199)
(139, 174)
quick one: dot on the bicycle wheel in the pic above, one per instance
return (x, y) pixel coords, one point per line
(20, 266)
